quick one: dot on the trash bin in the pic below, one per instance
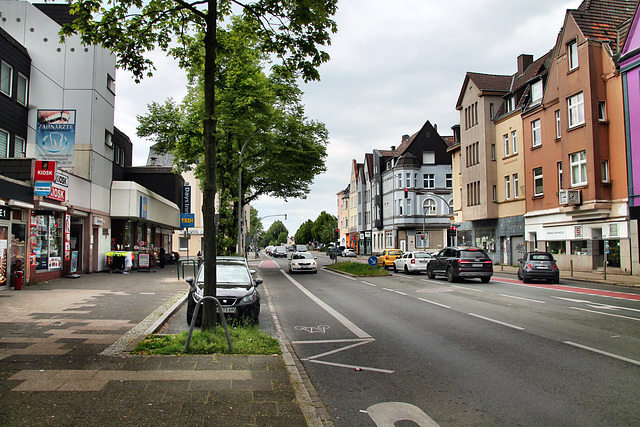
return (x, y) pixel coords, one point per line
(17, 285)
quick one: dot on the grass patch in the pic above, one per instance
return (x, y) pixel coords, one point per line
(245, 340)
(358, 268)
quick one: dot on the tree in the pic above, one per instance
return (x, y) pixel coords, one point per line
(273, 236)
(304, 234)
(260, 116)
(291, 29)
(323, 227)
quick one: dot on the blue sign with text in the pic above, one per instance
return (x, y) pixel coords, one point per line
(187, 220)
(186, 199)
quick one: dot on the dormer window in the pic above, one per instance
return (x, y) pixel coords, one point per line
(572, 53)
(536, 92)
(510, 104)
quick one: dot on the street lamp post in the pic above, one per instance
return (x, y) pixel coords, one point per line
(240, 244)
(256, 233)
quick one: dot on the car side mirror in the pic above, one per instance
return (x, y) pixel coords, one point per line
(519, 259)
(189, 280)
(258, 282)
(253, 271)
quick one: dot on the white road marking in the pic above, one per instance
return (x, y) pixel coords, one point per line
(606, 314)
(595, 350)
(434, 303)
(497, 321)
(337, 274)
(524, 299)
(367, 283)
(362, 368)
(330, 341)
(337, 350)
(598, 305)
(339, 317)
(388, 413)
(468, 289)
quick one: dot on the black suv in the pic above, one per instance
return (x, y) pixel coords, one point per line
(461, 262)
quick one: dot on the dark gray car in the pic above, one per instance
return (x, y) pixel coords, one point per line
(461, 262)
(538, 266)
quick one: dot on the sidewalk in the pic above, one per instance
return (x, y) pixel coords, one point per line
(54, 370)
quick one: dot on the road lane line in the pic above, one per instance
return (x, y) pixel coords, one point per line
(367, 283)
(606, 314)
(593, 304)
(338, 350)
(468, 289)
(331, 341)
(338, 274)
(362, 368)
(524, 299)
(339, 317)
(497, 321)
(434, 303)
(595, 350)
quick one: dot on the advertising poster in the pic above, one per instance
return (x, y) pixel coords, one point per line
(55, 136)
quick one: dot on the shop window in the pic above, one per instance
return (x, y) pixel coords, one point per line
(46, 230)
(557, 247)
(578, 247)
(486, 239)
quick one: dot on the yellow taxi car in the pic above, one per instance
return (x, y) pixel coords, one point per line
(387, 256)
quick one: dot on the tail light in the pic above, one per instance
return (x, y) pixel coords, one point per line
(528, 267)
(413, 260)
(488, 261)
(555, 267)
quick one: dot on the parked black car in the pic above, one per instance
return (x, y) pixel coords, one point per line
(461, 262)
(236, 289)
(539, 266)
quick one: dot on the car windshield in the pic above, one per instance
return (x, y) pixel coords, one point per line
(541, 257)
(395, 252)
(419, 255)
(302, 255)
(470, 254)
(229, 274)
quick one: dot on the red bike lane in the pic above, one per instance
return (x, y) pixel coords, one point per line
(573, 289)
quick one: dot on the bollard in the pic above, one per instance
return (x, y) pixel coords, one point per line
(571, 266)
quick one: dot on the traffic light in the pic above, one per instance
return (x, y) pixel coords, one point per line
(406, 193)
(452, 231)
(422, 236)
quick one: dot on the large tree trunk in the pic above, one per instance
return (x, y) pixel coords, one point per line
(209, 188)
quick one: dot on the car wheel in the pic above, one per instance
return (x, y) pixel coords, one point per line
(430, 274)
(395, 269)
(406, 270)
(525, 280)
(519, 276)
(485, 279)
(556, 281)
(450, 276)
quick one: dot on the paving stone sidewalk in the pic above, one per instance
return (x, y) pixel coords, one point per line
(53, 370)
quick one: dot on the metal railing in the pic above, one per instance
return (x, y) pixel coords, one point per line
(199, 300)
(182, 263)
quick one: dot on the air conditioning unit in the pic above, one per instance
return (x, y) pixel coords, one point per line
(569, 197)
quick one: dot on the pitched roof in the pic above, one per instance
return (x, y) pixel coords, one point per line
(605, 20)
(490, 82)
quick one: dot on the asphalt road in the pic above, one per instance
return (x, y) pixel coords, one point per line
(503, 353)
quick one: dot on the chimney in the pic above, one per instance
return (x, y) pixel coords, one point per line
(393, 148)
(153, 160)
(524, 61)
(405, 138)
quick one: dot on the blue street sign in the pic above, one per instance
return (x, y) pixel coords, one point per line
(186, 199)
(187, 220)
(42, 188)
(373, 261)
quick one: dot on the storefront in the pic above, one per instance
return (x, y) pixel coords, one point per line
(12, 245)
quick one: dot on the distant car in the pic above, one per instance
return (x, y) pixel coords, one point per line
(461, 262)
(340, 250)
(412, 262)
(234, 259)
(280, 252)
(538, 266)
(301, 248)
(236, 289)
(303, 261)
(349, 252)
(387, 256)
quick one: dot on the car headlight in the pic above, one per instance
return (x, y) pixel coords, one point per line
(249, 298)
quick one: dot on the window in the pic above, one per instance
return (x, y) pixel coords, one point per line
(4, 144)
(428, 157)
(510, 104)
(536, 133)
(514, 142)
(108, 139)
(602, 111)
(559, 175)
(572, 51)
(556, 247)
(538, 189)
(111, 84)
(493, 152)
(409, 212)
(23, 89)
(491, 112)
(183, 244)
(516, 191)
(495, 194)
(399, 181)
(449, 180)
(575, 105)
(579, 168)
(429, 207)
(507, 187)
(408, 177)
(558, 125)
(6, 78)
(505, 140)
(19, 147)
(451, 206)
(429, 180)
(605, 171)
(536, 92)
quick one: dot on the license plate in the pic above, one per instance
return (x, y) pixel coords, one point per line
(542, 267)
(228, 310)
(478, 265)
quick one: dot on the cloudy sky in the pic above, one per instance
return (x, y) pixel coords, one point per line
(394, 65)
